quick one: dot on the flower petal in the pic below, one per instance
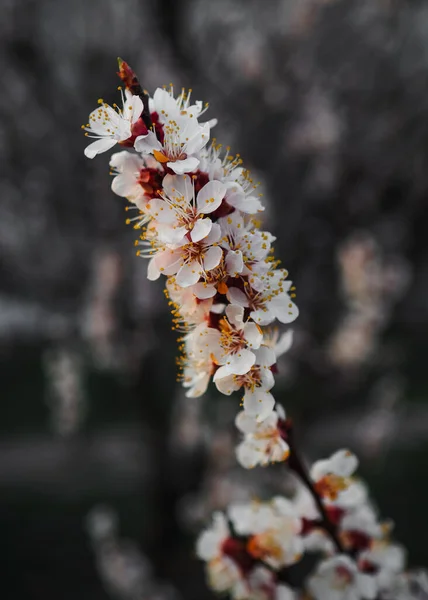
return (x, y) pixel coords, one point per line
(225, 382)
(214, 235)
(153, 272)
(258, 403)
(189, 274)
(210, 197)
(176, 186)
(184, 166)
(201, 229)
(284, 308)
(234, 262)
(237, 296)
(253, 335)
(147, 143)
(204, 290)
(99, 146)
(235, 315)
(212, 257)
(241, 362)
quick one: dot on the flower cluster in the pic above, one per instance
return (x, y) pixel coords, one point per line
(248, 552)
(195, 209)
(195, 212)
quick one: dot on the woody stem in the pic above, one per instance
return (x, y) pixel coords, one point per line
(297, 465)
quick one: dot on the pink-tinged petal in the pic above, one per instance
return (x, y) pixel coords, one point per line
(201, 229)
(241, 362)
(189, 274)
(177, 186)
(147, 143)
(253, 335)
(168, 262)
(153, 272)
(212, 257)
(235, 315)
(246, 423)
(214, 235)
(171, 235)
(204, 290)
(225, 382)
(284, 308)
(210, 197)
(258, 403)
(234, 262)
(237, 296)
(184, 166)
(99, 146)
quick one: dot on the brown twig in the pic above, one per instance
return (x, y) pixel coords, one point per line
(297, 465)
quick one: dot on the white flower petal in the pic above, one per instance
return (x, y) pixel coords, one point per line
(187, 165)
(147, 143)
(284, 308)
(153, 272)
(253, 335)
(235, 315)
(237, 296)
(245, 422)
(210, 197)
(177, 186)
(225, 382)
(265, 356)
(137, 108)
(284, 343)
(214, 235)
(125, 185)
(189, 274)
(234, 262)
(201, 229)
(241, 362)
(212, 257)
(99, 146)
(258, 403)
(204, 290)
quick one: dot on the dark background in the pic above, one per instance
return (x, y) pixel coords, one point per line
(327, 102)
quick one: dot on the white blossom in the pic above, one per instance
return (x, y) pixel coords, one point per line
(263, 442)
(338, 578)
(112, 125)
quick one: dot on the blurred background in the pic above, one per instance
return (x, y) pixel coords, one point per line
(107, 472)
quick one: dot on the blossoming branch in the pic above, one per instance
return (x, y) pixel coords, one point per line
(196, 211)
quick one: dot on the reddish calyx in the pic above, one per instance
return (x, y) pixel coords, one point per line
(137, 129)
(151, 181)
(284, 427)
(237, 551)
(356, 540)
